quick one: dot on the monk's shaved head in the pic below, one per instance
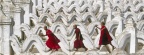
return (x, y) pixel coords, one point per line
(45, 27)
(102, 23)
(74, 26)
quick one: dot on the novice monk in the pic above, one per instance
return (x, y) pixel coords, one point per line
(105, 38)
(52, 41)
(78, 42)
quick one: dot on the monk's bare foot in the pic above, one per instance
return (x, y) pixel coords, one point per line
(98, 48)
(76, 49)
(113, 47)
(86, 49)
(56, 49)
(53, 50)
(49, 49)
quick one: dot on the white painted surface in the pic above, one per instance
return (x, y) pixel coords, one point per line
(60, 15)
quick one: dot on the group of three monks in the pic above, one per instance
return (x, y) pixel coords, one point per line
(53, 41)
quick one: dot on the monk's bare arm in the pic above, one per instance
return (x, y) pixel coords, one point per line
(97, 27)
(103, 28)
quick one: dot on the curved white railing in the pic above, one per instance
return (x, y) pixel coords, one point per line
(61, 15)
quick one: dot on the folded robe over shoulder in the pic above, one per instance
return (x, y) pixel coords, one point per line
(105, 38)
(52, 41)
(78, 42)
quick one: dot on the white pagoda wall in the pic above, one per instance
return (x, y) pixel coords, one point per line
(22, 22)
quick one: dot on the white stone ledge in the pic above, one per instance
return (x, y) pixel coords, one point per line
(5, 23)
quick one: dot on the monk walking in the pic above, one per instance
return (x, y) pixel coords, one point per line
(105, 38)
(52, 41)
(78, 42)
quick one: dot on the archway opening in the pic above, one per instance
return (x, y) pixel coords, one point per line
(32, 24)
(141, 10)
(88, 21)
(129, 10)
(114, 31)
(127, 48)
(23, 37)
(12, 51)
(140, 46)
(33, 50)
(46, 22)
(40, 34)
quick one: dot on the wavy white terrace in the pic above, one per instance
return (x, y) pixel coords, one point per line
(22, 22)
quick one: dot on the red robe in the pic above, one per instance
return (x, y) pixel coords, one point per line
(78, 42)
(52, 41)
(105, 38)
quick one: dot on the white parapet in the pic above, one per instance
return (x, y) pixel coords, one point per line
(22, 23)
